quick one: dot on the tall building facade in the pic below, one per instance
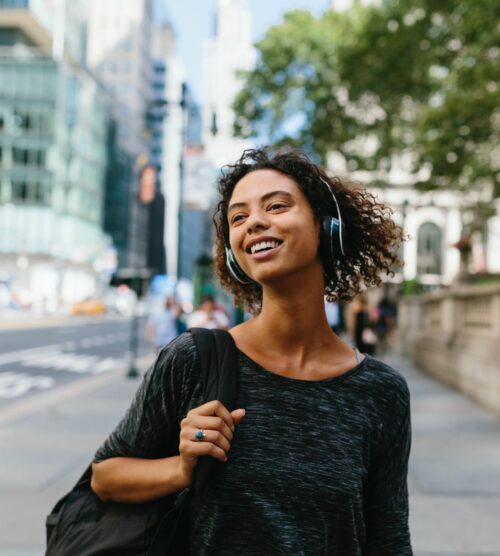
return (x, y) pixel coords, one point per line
(54, 122)
(229, 50)
(119, 54)
(176, 126)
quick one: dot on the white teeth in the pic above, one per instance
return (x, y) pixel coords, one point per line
(263, 245)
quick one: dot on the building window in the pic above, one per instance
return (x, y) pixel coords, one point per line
(22, 120)
(42, 193)
(429, 249)
(32, 121)
(28, 157)
(46, 120)
(20, 191)
(20, 156)
(29, 192)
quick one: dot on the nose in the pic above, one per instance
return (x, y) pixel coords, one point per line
(255, 222)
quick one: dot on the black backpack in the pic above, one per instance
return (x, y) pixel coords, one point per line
(82, 525)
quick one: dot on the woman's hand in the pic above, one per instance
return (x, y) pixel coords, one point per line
(218, 426)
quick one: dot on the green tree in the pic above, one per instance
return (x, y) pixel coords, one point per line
(412, 78)
(293, 95)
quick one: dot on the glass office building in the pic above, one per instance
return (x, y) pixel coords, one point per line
(53, 160)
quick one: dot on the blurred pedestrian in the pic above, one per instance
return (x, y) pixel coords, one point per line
(162, 327)
(363, 333)
(209, 315)
(315, 454)
(385, 324)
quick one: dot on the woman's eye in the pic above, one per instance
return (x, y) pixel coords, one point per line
(236, 218)
(276, 206)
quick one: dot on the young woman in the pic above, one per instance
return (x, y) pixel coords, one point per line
(316, 457)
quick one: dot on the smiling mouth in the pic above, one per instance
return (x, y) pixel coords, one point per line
(263, 246)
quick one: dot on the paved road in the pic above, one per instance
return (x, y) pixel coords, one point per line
(454, 475)
(34, 361)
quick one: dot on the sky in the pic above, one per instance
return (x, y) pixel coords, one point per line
(193, 22)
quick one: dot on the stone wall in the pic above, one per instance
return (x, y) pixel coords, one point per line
(455, 336)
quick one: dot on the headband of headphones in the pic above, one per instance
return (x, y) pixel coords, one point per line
(340, 225)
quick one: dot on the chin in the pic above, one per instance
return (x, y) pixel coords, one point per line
(270, 277)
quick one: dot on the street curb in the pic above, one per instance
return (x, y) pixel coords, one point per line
(68, 391)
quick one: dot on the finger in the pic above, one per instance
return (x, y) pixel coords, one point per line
(213, 436)
(193, 449)
(238, 415)
(211, 423)
(215, 407)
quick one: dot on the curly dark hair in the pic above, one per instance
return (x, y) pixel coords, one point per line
(371, 238)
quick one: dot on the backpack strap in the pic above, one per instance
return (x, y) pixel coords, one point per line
(218, 362)
(219, 376)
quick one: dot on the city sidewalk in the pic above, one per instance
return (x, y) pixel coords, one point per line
(454, 470)
(454, 476)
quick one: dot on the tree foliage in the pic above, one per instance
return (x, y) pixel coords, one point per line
(411, 79)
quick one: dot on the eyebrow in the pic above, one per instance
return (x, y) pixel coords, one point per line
(263, 198)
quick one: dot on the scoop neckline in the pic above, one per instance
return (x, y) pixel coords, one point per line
(266, 372)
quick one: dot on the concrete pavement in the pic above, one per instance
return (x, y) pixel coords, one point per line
(454, 476)
(454, 473)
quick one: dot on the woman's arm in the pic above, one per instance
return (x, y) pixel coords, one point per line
(135, 480)
(135, 463)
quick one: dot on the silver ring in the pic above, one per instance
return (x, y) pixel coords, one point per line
(199, 435)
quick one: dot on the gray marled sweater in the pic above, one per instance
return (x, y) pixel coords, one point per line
(315, 468)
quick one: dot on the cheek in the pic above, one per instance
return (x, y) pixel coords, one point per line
(310, 237)
(235, 241)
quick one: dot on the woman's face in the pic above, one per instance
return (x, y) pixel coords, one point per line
(272, 228)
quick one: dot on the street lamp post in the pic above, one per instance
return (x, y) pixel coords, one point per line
(133, 371)
(136, 280)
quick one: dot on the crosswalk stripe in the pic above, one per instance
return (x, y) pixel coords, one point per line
(43, 351)
(71, 362)
(13, 385)
(14, 356)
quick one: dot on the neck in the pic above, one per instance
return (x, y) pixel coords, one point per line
(293, 318)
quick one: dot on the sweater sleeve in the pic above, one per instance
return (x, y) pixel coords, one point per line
(151, 425)
(386, 494)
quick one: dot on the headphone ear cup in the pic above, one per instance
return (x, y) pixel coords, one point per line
(329, 242)
(235, 269)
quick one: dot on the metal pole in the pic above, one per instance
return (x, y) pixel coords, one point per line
(184, 108)
(179, 217)
(133, 371)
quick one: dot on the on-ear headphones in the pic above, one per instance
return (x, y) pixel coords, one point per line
(331, 238)
(235, 269)
(331, 243)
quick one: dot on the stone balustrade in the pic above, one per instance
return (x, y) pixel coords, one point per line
(455, 336)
